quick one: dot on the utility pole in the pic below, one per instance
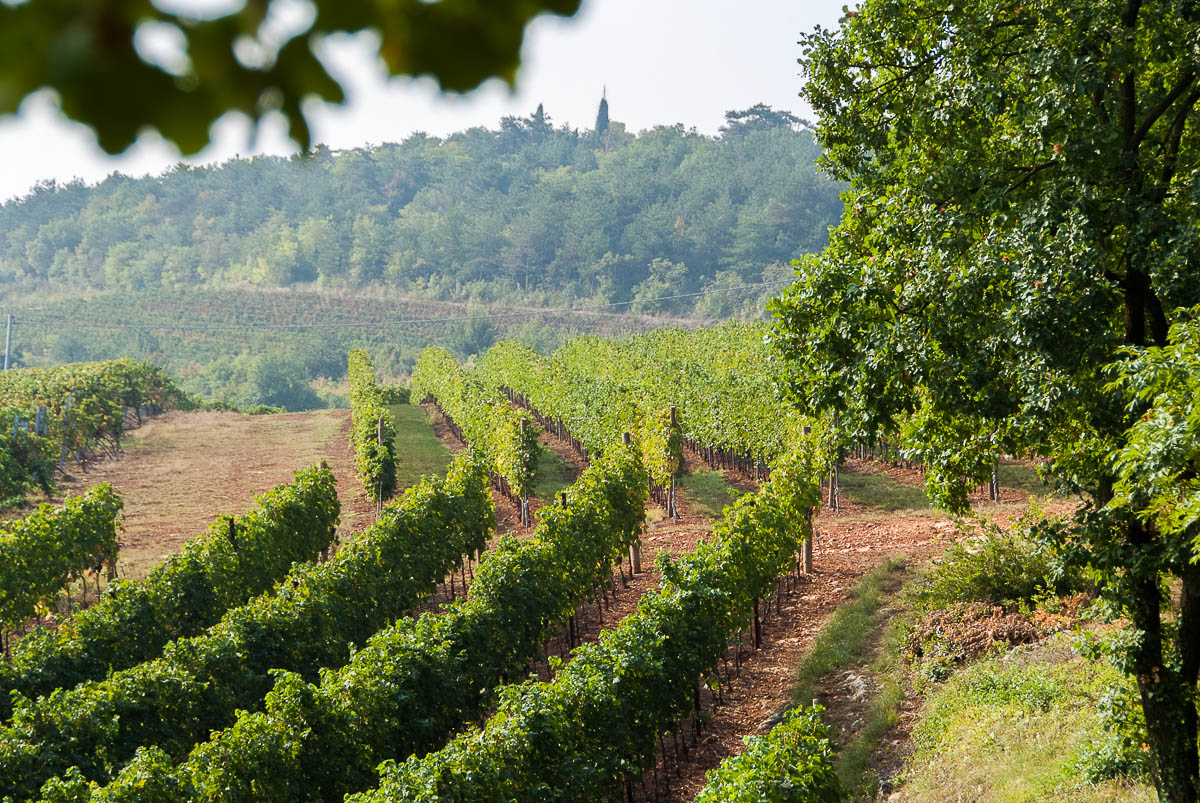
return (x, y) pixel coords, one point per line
(7, 340)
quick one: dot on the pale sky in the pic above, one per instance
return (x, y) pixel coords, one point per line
(662, 62)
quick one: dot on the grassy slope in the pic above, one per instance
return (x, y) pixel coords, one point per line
(553, 475)
(418, 450)
(706, 491)
(1012, 727)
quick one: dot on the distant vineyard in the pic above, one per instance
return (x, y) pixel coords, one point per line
(49, 416)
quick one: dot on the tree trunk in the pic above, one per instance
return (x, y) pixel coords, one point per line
(1167, 693)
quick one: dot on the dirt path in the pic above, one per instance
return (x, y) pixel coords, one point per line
(845, 549)
(848, 544)
(179, 472)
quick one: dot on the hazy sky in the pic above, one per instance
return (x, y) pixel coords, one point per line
(662, 61)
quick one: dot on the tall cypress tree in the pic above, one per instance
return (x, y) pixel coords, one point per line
(602, 119)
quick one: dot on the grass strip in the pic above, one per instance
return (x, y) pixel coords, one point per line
(844, 644)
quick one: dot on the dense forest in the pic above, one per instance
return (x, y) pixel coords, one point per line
(528, 212)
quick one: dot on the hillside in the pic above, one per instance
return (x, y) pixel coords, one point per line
(264, 345)
(251, 279)
(528, 213)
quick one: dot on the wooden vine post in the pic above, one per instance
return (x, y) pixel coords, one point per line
(807, 549)
(808, 546)
(635, 549)
(524, 501)
(672, 510)
(379, 486)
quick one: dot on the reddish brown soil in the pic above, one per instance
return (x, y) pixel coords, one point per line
(848, 544)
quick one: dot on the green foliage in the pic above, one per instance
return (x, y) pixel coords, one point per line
(1157, 467)
(373, 430)
(593, 408)
(311, 620)
(993, 566)
(1020, 213)
(473, 335)
(1117, 748)
(26, 461)
(417, 681)
(276, 380)
(43, 551)
(599, 719)
(526, 215)
(481, 417)
(85, 406)
(103, 80)
(791, 764)
(189, 592)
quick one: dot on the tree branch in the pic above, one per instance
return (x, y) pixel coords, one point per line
(1127, 108)
(1174, 137)
(1159, 110)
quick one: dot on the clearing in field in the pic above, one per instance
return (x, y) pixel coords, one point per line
(181, 471)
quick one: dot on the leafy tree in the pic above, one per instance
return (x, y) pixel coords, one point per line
(759, 117)
(237, 61)
(278, 381)
(1020, 228)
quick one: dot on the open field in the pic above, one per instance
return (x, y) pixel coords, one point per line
(181, 471)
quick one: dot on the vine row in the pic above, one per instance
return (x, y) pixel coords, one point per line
(41, 552)
(413, 684)
(373, 431)
(311, 620)
(480, 417)
(586, 733)
(592, 411)
(233, 561)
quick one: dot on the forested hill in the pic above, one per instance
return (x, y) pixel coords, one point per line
(528, 211)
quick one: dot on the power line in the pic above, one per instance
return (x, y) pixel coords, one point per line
(591, 308)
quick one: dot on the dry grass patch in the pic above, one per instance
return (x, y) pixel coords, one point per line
(181, 471)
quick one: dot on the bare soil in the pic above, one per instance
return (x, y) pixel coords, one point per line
(179, 472)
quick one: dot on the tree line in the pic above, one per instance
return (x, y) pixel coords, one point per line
(528, 210)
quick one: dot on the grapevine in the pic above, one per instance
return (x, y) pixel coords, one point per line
(310, 621)
(373, 430)
(230, 563)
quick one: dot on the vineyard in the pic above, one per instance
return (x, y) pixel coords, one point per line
(271, 659)
(51, 418)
